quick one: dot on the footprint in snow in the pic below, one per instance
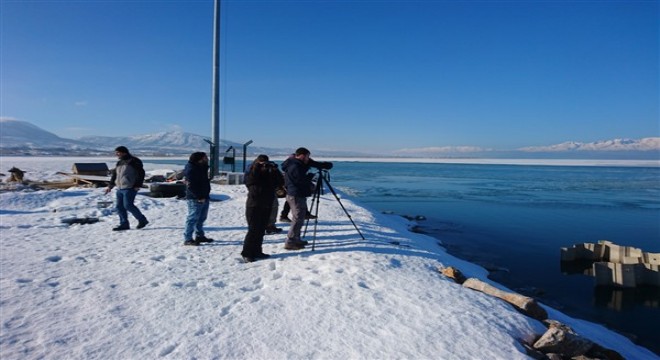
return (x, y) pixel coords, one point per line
(54, 258)
(167, 350)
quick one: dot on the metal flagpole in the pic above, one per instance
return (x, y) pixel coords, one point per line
(215, 122)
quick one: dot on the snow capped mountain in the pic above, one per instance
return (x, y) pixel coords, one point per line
(23, 138)
(15, 133)
(644, 144)
(165, 141)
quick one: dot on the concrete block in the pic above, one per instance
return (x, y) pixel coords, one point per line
(613, 274)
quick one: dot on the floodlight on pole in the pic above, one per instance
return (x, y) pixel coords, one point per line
(245, 153)
(212, 167)
(233, 158)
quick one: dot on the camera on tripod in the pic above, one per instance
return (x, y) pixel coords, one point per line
(321, 165)
(324, 179)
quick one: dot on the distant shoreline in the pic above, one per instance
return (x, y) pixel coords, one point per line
(466, 161)
(484, 161)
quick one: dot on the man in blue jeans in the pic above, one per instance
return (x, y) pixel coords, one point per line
(198, 190)
(128, 177)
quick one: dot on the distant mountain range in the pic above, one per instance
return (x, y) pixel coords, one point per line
(645, 144)
(23, 138)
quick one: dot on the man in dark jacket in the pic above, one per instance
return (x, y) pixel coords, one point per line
(127, 176)
(261, 180)
(198, 190)
(299, 186)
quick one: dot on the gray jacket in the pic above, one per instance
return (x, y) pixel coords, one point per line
(128, 174)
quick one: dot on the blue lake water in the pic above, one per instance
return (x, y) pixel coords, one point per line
(517, 217)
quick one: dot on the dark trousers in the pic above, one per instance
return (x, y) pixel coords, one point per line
(285, 210)
(257, 219)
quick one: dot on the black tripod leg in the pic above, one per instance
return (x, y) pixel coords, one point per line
(316, 195)
(342, 206)
(319, 185)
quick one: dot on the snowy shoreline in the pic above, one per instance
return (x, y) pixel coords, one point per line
(82, 291)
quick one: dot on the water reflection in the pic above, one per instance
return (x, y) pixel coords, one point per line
(619, 299)
(610, 297)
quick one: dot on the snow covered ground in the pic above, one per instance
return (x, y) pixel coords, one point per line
(86, 292)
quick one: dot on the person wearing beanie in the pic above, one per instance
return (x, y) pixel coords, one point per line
(127, 176)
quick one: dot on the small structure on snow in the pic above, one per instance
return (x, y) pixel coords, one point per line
(16, 175)
(95, 174)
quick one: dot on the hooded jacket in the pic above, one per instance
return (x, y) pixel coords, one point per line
(128, 173)
(198, 186)
(298, 183)
(261, 182)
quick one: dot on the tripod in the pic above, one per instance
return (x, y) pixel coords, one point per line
(316, 197)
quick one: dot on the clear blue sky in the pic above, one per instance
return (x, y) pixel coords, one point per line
(352, 75)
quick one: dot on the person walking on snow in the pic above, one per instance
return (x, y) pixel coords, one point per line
(127, 176)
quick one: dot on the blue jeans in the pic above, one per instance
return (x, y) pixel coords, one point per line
(125, 199)
(197, 213)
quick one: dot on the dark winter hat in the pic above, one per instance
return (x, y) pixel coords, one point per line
(196, 156)
(261, 158)
(302, 151)
(122, 149)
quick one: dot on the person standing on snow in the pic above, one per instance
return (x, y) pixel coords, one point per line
(299, 186)
(127, 176)
(261, 180)
(198, 190)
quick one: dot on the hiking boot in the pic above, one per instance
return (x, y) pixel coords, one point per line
(301, 242)
(249, 259)
(294, 246)
(142, 224)
(262, 256)
(203, 239)
(285, 219)
(191, 243)
(310, 216)
(272, 229)
(120, 228)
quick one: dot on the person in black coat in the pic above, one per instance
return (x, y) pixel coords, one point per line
(198, 189)
(261, 180)
(299, 186)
